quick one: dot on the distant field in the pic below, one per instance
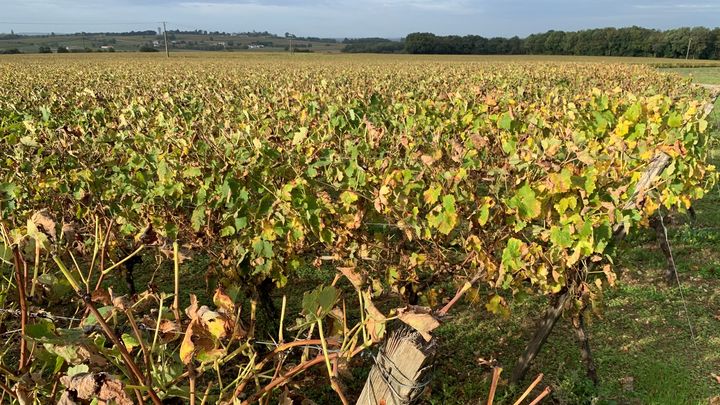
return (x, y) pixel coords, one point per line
(684, 66)
(31, 44)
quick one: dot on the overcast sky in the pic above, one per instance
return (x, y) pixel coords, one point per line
(354, 18)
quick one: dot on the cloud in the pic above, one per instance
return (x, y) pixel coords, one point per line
(701, 7)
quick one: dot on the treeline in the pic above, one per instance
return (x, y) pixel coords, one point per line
(372, 45)
(695, 43)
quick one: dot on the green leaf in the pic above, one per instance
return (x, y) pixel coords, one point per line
(319, 302)
(163, 170)
(104, 312)
(484, 214)
(263, 248)
(240, 223)
(130, 341)
(69, 353)
(300, 136)
(227, 231)
(198, 218)
(191, 172)
(633, 113)
(327, 298)
(560, 237)
(29, 141)
(496, 305)
(512, 254)
(79, 369)
(505, 121)
(348, 198)
(525, 203)
(310, 303)
(448, 204)
(674, 120)
(603, 236)
(566, 203)
(43, 328)
(446, 220)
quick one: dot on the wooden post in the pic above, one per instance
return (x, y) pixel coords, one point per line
(400, 367)
(546, 325)
(167, 49)
(657, 223)
(584, 341)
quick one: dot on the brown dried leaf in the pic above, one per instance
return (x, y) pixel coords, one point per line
(183, 254)
(375, 321)
(101, 296)
(90, 355)
(169, 330)
(427, 160)
(458, 151)
(65, 399)
(45, 224)
(90, 386)
(419, 320)
(122, 303)
(112, 390)
(197, 339)
(223, 301)
(357, 279)
(83, 384)
(611, 276)
(285, 398)
(68, 232)
(192, 310)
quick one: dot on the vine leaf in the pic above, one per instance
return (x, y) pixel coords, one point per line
(419, 319)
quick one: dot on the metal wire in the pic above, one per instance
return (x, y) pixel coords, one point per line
(677, 279)
(385, 371)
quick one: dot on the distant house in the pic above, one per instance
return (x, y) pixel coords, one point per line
(107, 47)
(256, 46)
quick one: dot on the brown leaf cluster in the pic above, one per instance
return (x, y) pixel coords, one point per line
(85, 387)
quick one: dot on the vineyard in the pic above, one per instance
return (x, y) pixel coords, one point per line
(230, 230)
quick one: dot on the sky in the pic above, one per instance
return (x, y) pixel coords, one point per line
(354, 18)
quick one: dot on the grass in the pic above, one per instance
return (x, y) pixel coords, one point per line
(708, 75)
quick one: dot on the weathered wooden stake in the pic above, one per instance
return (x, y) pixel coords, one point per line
(400, 368)
(584, 341)
(671, 270)
(552, 314)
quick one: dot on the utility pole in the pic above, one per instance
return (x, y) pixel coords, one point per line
(687, 55)
(167, 50)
